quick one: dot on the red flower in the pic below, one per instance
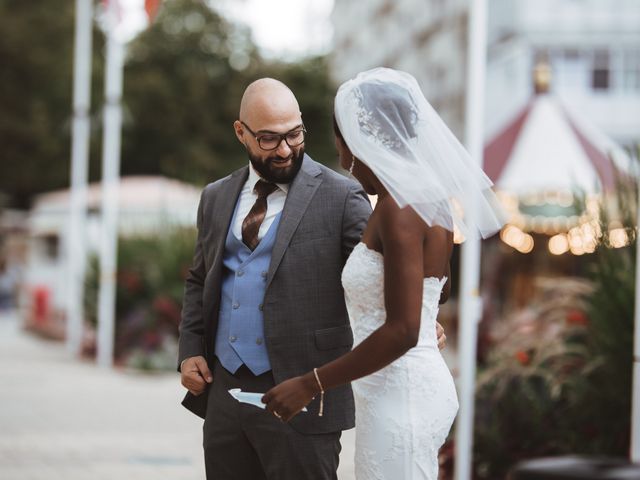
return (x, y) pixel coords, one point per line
(130, 280)
(151, 340)
(523, 357)
(576, 317)
(167, 308)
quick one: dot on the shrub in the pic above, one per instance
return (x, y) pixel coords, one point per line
(150, 282)
(558, 379)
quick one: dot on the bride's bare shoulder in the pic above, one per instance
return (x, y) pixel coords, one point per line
(398, 224)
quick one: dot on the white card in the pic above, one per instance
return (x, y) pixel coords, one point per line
(250, 397)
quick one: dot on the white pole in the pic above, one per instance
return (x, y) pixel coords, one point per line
(635, 407)
(470, 301)
(110, 181)
(76, 254)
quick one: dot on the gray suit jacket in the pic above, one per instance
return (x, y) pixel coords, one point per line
(305, 318)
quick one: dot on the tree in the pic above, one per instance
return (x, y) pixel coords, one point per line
(181, 94)
(36, 52)
(183, 80)
(183, 84)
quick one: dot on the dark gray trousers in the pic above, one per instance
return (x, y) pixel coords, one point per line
(244, 442)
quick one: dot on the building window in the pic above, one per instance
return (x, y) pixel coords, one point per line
(600, 73)
(48, 246)
(631, 68)
(572, 54)
(600, 79)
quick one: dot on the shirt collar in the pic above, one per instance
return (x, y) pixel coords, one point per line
(254, 177)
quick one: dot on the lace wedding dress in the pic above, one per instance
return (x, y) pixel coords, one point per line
(405, 410)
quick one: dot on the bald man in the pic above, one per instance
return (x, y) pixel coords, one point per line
(263, 299)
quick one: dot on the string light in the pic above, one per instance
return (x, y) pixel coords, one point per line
(618, 238)
(516, 238)
(558, 244)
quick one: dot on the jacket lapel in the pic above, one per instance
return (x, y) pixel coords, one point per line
(299, 196)
(225, 204)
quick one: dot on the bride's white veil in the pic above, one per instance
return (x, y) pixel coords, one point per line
(388, 124)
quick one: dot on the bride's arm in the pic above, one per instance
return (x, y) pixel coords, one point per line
(402, 235)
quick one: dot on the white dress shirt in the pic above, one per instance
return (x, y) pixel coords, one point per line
(275, 204)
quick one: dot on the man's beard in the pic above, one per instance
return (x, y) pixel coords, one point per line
(276, 174)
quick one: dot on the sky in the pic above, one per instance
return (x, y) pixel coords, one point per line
(281, 28)
(287, 28)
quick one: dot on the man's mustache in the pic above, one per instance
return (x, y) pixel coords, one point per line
(280, 159)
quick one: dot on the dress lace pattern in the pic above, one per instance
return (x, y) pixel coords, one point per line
(404, 411)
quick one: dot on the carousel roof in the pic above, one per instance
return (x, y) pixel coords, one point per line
(545, 148)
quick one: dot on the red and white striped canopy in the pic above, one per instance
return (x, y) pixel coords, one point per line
(545, 148)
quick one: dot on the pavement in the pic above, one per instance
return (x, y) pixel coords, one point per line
(66, 419)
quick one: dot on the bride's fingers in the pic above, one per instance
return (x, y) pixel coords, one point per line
(275, 408)
(274, 412)
(289, 414)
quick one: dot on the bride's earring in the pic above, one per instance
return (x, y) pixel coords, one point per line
(353, 162)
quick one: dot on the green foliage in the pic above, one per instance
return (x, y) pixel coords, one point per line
(559, 378)
(150, 282)
(181, 94)
(183, 80)
(36, 54)
(607, 402)
(532, 380)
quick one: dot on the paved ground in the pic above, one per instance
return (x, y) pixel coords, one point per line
(61, 419)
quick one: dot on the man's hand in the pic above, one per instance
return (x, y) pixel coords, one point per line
(195, 374)
(442, 338)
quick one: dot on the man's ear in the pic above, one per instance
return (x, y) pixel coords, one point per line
(237, 127)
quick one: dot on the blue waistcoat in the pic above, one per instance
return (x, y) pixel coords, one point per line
(240, 336)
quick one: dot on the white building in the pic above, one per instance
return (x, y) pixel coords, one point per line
(147, 205)
(592, 46)
(426, 38)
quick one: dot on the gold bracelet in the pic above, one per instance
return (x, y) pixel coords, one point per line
(321, 411)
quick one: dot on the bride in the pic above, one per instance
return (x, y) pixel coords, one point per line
(395, 144)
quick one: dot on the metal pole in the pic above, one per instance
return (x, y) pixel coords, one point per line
(635, 406)
(470, 301)
(110, 183)
(77, 250)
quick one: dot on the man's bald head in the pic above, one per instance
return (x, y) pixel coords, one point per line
(269, 103)
(270, 112)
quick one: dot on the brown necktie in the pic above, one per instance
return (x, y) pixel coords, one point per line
(255, 217)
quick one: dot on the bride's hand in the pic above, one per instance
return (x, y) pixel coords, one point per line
(287, 399)
(442, 338)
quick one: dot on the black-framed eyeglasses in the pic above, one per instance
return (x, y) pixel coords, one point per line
(271, 141)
